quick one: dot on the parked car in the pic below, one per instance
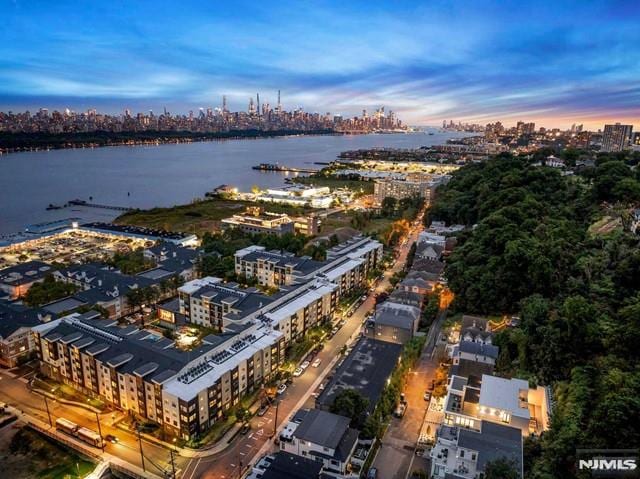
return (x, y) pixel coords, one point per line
(263, 410)
(373, 473)
(305, 365)
(111, 438)
(316, 363)
(427, 396)
(334, 331)
(245, 428)
(298, 372)
(281, 389)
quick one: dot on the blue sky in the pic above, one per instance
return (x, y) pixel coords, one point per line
(554, 62)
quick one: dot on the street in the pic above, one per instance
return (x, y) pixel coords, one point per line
(396, 457)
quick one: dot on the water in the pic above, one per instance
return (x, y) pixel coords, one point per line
(164, 175)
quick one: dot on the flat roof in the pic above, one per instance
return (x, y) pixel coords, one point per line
(504, 394)
(366, 370)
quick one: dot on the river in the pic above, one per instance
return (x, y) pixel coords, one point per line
(163, 175)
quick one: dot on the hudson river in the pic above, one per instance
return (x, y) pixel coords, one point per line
(164, 175)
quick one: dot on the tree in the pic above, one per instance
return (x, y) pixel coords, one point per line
(388, 206)
(47, 291)
(352, 404)
(501, 469)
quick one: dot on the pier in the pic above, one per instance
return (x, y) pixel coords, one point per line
(77, 202)
(283, 168)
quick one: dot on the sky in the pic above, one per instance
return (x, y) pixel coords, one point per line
(552, 62)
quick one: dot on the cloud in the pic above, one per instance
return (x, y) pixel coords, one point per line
(479, 61)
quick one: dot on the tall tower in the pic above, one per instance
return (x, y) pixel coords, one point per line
(224, 103)
(279, 107)
(252, 108)
(258, 103)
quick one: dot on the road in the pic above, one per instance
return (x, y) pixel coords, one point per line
(396, 457)
(14, 391)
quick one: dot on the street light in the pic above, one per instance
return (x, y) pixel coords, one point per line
(46, 405)
(141, 454)
(99, 430)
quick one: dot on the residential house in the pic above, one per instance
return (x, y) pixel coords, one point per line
(322, 436)
(393, 322)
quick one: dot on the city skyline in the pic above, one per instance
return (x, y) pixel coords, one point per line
(489, 61)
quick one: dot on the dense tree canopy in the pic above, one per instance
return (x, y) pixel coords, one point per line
(532, 251)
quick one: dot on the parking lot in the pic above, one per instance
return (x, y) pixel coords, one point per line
(69, 247)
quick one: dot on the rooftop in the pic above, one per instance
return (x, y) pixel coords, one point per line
(25, 273)
(494, 441)
(505, 394)
(322, 428)
(366, 370)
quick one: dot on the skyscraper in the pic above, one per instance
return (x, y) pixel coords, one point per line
(616, 137)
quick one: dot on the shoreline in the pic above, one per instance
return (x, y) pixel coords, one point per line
(101, 139)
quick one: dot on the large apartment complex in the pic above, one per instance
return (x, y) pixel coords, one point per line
(186, 391)
(347, 264)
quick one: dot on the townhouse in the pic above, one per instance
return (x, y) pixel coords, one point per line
(16, 340)
(16, 280)
(322, 436)
(393, 322)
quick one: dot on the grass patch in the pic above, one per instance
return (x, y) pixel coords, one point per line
(198, 217)
(33, 455)
(358, 186)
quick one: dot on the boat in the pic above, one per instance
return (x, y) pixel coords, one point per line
(53, 207)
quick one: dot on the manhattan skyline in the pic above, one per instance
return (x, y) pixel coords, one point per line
(555, 64)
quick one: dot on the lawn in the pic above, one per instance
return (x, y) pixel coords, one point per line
(197, 217)
(343, 220)
(355, 185)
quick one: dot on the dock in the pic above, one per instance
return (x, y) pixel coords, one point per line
(283, 168)
(77, 202)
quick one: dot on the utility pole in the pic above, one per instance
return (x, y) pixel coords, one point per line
(173, 464)
(100, 431)
(141, 454)
(239, 467)
(46, 405)
(275, 421)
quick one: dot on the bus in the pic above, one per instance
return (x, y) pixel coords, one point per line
(89, 436)
(66, 426)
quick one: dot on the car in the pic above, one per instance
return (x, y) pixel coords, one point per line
(341, 323)
(246, 427)
(305, 365)
(316, 363)
(427, 396)
(281, 389)
(298, 372)
(334, 331)
(263, 410)
(111, 438)
(373, 473)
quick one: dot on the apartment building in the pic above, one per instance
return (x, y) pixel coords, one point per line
(142, 372)
(347, 264)
(423, 187)
(208, 301)
(274, 268)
